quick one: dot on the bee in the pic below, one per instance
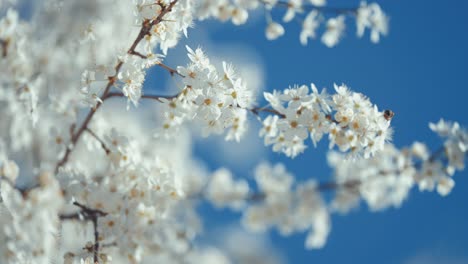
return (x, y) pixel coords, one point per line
(388, 114)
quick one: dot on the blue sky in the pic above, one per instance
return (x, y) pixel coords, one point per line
(420, 71)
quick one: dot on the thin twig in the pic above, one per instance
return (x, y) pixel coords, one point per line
(4, 44)
(171, 71)
(103, 145)
(150, 96)
(257, 110)
(96, 239)
(133, 52)
(322, 187)
(87, 214)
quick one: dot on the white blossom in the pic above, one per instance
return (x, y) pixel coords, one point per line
(274, 30)
(294, 6)
(223, 190)
(68, 172)
(335, 27)
(309, 26)
(371, 16)
(357, 126)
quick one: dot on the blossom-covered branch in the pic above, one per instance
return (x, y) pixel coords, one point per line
(145, 30)
(87, 214)
(366, 15)
(220, 100)
(382, 181)
(62, 141)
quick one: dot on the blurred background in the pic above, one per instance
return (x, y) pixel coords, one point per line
(420, 71)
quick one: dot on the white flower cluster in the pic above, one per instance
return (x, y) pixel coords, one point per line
(139, 208)
(29, 221)
(140, 187)
(162, 34)
(289, 209)
(277, 203)
(216, 99)
(382, 181)
(455, 145)
(17, 74)
(371, 16)
(386, 179)
(167, 32)
(335, 30)
(224, 191)
(236, 11)
(367, 16)
(349, 118)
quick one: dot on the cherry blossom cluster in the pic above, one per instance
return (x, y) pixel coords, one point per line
(382, 181)
(349, 119)
(40, 82)
(217, 99)
(367, 16)
(162, 22)
(16, 72)
(386, 179)
(220, 100)
(290, 210)
(137, 186)
(165, 33)
(28, 218)
(82, 179)
(277, 202)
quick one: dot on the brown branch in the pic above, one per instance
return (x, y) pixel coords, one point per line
(4, 44)
(111, 244)
(322, 187)
(354, 183)
(153, 97)
(88, 214)
(87, 120)
(85, 213)
(96, 240)
(133, 52)
(257, 110)
(144, 31)
(171, 71)
(71, 216)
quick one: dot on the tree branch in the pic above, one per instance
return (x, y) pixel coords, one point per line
(153, 97)
(88, 214)
(103, 145)
(4, 44)
(145, 30)
(171, 71)
(354, 183)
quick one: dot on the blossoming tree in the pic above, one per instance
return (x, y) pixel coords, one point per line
(71, 163)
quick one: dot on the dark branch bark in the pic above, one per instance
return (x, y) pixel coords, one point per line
(87, 214)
